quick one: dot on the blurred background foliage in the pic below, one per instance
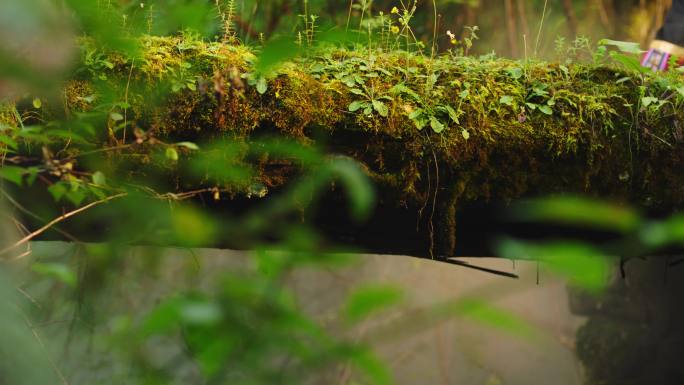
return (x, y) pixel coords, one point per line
(505, 25)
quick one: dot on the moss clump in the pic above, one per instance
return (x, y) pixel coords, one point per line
(460, 129)
(7, 116)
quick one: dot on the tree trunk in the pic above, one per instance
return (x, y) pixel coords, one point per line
(512, 28)
(570, 16)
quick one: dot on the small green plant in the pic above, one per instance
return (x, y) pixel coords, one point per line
(95, 61)
(627, 54)
(435, 116)
(310, 26)
(371, 101)
(403, 30)
(469, 38)
(539, 98)
(579, 50)
(226, 10)
(182, 78)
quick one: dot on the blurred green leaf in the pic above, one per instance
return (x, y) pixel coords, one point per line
(58, 190)
(163, 319)
(76, 196)
(623, 46)
(223, 163)
(192, 227)
(582, 264)
(182, 310)
(629, 62)
(358, 186)
(578, 211)
(173, 16)
(99, 178)
(171, 154)
(336, 36)
(274, 53)
(188, 145)
(58, 271)
(272, 263)
(104, 25)
(664, 233)
(278, 148)
(373, 369)
(13, 174)
(483, 312)
(366, 301)
(9, 142)
(68, 135)
(211, 349)
(196, 312)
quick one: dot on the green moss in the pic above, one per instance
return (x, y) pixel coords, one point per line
(7, 115)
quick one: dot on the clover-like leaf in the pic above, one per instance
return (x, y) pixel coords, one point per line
(507, 100)
(436, 125)
(357, 105)
(381, 108)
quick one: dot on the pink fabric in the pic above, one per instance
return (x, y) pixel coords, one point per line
(658, 60)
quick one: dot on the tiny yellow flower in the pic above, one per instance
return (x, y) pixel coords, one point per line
(395, 10)
(394, 29)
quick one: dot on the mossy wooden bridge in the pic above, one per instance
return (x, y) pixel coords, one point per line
(434, 134)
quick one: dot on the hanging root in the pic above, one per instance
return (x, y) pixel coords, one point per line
(445, 235)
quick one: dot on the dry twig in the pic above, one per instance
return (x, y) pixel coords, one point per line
(53, 222)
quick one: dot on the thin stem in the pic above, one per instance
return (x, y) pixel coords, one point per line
(541, 26)
(370, 42)
(306, 21)
(34, 215)
(363, 14)
(434, 29)
(128, 86)
(351, 5)
(53, 222)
